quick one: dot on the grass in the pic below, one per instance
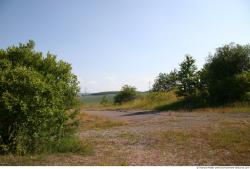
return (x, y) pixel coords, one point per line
(234, 138)
(175, 136)
(130, 138)
(198, 104)
(66, 148)
(224, 143)
(229, 144)
(150, 101)
(165, 101)
(96, 99)
(146, 101)
(91, 122)
(73, 145)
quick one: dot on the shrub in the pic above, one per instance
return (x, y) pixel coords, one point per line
(104, 100)
(35, 93)
(227, 73)
(126, 94)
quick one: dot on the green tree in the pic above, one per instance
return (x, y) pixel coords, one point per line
(227, 72)
(126, 94)
(187, 77)
(36, 94)
(165, 82)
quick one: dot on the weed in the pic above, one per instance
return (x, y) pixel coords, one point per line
(130, 137)
(91, 122)
(73, 145)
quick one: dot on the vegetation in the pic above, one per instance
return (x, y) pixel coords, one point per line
(145, 101)
(38, 96)
(92, 122)
(209, 139)
(126, 94)
(224, 79)
(96, 99)
(187, 77)
(227, 73)
(148, 101)
(104, 93)
(165, 82)
(35, 94)
(104, 100)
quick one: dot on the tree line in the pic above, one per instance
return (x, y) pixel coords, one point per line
(224, 78)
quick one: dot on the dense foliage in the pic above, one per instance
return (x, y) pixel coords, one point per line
(126, 94)
(165, 82)
(224, 78)
(227, 73)
(36, 95)
(187, 77)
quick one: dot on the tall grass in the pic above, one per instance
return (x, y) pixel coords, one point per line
(72, 144)
(150, 100)
(167, 101)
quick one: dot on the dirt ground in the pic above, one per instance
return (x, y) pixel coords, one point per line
(161, 138)
(140, 141)
(157, 121)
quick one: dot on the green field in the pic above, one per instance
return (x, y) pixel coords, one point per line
(95, 99)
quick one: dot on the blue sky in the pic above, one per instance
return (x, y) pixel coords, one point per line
(115, 42)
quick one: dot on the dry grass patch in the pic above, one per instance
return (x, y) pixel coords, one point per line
(91, 122)
(130, 138)
(227, 145)
(234, 138)
(170, 138)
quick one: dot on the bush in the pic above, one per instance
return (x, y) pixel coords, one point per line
(104, 100)
(126, 94)
(35, 93)
(227, 73)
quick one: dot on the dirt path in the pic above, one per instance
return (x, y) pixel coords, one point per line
(137, 115)
(170, 119)
(133, 115)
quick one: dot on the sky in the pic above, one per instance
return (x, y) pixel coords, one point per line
(110, 43)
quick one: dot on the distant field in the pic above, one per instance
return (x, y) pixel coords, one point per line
(95, 99)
